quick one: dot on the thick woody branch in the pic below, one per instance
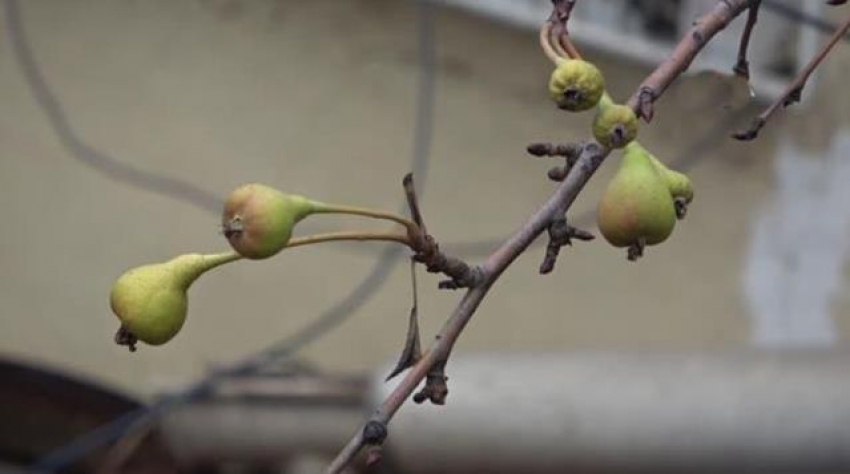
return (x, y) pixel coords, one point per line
(683, 55)
(561, 234)
(794, 90)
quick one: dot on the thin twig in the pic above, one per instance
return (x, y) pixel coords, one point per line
(680, 59)
(742, 66)
(794, 90)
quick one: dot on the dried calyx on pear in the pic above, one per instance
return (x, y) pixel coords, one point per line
(151, 300)
(636, 209)
(258, 220)
(615, 125)
(576, 85)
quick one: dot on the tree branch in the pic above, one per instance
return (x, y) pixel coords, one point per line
(680, 59)
(794, 90)
(589, 159)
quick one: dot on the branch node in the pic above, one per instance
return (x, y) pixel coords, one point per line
(558, 173)
(752, 132)
(436, 389)
(793, 97)
(646, 97)
(428, 252)
(374, 433)
(560, 235)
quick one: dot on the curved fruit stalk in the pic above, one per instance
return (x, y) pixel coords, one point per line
(615, 125)
(636, 209)
(576, 85)
(258, 220)
(151, 300)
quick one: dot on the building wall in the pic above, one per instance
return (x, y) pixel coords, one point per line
(319, 98)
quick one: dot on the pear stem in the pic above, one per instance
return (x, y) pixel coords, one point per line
(350, 235)
(546, 44)
(209, 262)
(322, 208)
(214, 260)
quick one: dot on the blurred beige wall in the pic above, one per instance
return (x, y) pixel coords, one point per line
(318, 98)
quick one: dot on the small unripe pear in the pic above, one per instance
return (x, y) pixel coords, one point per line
(615, 125)
(151, 300)
(637, 208)
(576, 85)
(258, 220)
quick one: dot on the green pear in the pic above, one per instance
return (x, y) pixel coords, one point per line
(615, 125)
(637, 208)
(258, 220)
(576, 85)
(151, 301)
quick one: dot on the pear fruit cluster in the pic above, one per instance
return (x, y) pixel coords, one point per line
(577, 85)
(643, 201)
(640, 206)
(151, 301)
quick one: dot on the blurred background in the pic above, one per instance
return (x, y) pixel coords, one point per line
(124, 123)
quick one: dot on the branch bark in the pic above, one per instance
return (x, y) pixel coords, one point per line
(680, 59)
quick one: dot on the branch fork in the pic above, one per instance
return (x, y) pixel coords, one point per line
(427, 251)
(561, 234)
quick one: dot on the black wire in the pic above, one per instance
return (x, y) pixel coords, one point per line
(76, 147)
(333, 317)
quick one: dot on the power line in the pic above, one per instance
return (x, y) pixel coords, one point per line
(77, 147)
(333, 317)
